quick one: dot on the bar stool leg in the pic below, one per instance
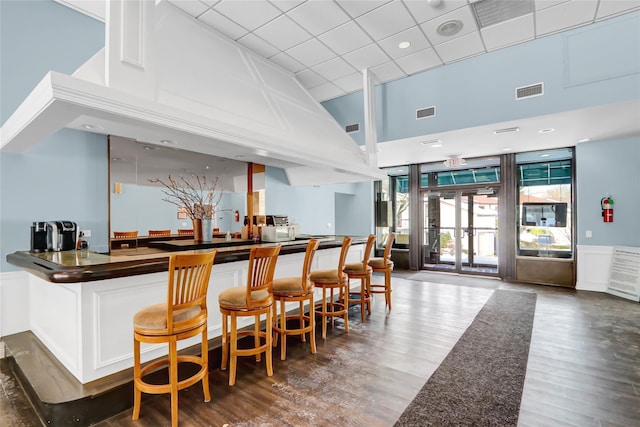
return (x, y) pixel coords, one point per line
(256, 335)
(283, 328)
(234, 351)
(205, 361)
(137, 394)
(173, 379)
(268, 344)
(225, 343)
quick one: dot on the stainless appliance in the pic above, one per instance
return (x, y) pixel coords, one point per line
(39, 236)
(277, 233)
(61, 235)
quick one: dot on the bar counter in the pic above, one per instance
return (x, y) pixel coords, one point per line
(84, 266)
(82, 303)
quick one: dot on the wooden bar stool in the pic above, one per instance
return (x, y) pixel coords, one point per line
(293, 289)
(185, 231)
(333, 280)
(384, 265)
(362, 271)
(159, 233)
(254, 299)
(184, 315)
(129, 236)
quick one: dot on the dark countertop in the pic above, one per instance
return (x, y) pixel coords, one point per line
(86, 266)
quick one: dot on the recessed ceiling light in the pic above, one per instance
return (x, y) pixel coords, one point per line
(584, 140)
(92, 127)
(449, 28)
(240, 157)
(544, 155)
(404, 45)
(150, 148)
(167, 141)
(506, 149)
(434, 143)
(546, 130)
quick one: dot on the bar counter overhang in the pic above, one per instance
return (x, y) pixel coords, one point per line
(81, 305)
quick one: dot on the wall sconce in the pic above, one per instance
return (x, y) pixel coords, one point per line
(117, 188)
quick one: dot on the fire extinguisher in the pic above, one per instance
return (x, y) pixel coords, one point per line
(607, 209)
(237, 216)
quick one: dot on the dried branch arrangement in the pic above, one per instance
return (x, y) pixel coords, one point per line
(197, 196)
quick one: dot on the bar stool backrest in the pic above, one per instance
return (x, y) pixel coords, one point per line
(312, 247)
(262, 265)
(346, 244)
(387, 248)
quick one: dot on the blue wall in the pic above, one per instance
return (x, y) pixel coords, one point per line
(609, 168)
(314, 208)
(64, 177)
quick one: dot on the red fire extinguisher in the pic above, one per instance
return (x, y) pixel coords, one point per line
(237, 216)
(607, 209)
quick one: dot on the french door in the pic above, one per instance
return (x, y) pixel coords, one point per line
(459, 230)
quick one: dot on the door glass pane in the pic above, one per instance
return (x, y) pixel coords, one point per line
(480, 253)
(439, 230)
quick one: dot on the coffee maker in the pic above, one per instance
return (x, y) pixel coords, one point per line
(38, 236)
(61, 235)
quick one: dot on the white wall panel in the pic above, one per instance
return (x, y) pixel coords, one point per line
(593, 266)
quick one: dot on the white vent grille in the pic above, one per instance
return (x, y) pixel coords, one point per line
(352, 128)
(492, 12)
(423, 113)
(529, 91)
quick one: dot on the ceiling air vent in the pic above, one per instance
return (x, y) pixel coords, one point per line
(529, 91)
(423, 113)
(352, 128)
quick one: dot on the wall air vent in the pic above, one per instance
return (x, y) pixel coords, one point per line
(529, 91)
(352, 128)
(423, 113)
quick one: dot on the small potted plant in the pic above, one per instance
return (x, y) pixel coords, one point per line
(197, 196)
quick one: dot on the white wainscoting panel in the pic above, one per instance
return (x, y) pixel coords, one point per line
(14, 302)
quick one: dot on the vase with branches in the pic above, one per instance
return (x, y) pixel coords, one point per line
(197, 197)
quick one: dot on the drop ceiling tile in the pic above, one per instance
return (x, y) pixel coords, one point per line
(510, 32)
(194, 8)
(334, 68)
(388, 72)
(357, 8)
(565, 15)
(251, 14)
(285, 5)
(460, 48)
(543, 4)
(419, 61)
(311, 52)
(258, 45)
(287, 62)
(610, 8)
(413, 35)
(309, 78)
(326, 91)
(463, 15)
(318, 17)
(386, 20)
(222, 24)
(345, 38)
(350, 83)
(424, 11)
(283, 33)
(366, 57)
(210, 3)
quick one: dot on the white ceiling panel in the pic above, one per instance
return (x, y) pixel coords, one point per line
(258, 45)
(345, 38)
(463, 15)
(194, 8)
(413, 35)
(357, 8)
(283, 33)
(311, 52)
(387, 20)
(460, 48)
(424, 11)
(285, 5)
(261, 12)
(334, 69)
(326, 91)
(350, 83)
(543, 4)
(223, 24)
(609, 8)
(310, 78)
(419, 61)
(287, 62)
(508, 33)
(565, 15)
(366, 57)
(387, 72)
(318, 17)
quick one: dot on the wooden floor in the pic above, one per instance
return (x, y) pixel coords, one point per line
(583, 369)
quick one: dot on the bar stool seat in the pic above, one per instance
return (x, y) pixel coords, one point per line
(184, 315)
(295, 289)
(384, 265)
(254, 299)
(333, 280)
(362, 271)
